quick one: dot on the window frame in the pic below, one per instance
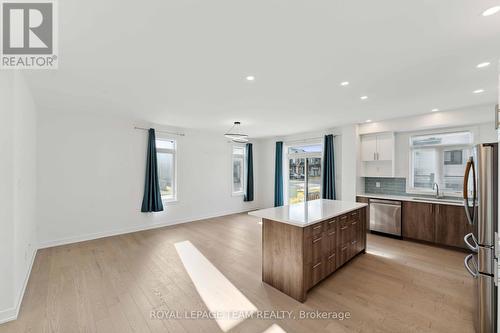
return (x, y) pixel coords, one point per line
(286, 163)
(174, 152)
(243, 170)
(440, 148)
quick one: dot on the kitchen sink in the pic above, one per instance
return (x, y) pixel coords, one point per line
(436, 200)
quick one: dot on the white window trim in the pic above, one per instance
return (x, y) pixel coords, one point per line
(243, 181)
(409, 186)
(174, 152)
(286, 159)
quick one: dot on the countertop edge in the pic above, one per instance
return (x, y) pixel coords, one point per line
(359, 205)
(405, 198)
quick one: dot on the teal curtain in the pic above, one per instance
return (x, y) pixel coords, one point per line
(249, 168)
(151, 202)
(278, 175)
(328, 169)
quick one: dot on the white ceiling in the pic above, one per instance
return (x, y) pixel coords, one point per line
(184, 63)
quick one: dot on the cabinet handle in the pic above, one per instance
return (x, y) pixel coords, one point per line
(314, 241)
(343, 217)
(344, 248)
(355, 222)
(354, 242)
(343, 228)
(330, 222)
(331, 256)
(319, 263)
(317, 227)
(331, 233)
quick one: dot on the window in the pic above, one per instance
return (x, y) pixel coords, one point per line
(167, 177)
(238, 167)
(439, 158)
(303, 170)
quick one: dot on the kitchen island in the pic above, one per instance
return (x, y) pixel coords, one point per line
(304, 243)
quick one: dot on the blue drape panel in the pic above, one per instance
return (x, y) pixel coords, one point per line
(329, 169)
(278, 175)
(249, 180)
(151, 202)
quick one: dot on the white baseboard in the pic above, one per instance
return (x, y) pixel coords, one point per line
(12, 313)
(116, 232)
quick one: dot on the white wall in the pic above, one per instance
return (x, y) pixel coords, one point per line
(91, 177)
(18, 190)
(346, 150)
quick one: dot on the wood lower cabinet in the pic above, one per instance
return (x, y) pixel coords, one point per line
(451, 225)
(418, 221)
(436, 223)
(440, 224)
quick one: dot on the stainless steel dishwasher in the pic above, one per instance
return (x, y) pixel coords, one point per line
(385, 216)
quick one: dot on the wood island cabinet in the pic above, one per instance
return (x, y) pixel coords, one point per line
(295, 259)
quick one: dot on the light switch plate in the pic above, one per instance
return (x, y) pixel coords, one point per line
(377, 184)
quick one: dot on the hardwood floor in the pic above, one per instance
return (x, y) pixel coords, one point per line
(112, 285)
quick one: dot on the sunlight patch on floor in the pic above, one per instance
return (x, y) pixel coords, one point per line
(274, 329)
(218, 293)
(380, 254)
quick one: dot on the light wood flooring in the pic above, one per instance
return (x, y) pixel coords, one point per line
(112, 284)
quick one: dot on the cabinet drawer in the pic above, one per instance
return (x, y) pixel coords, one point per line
(317, 273)
(316, 230)
(342, 255)
(331, 263)
(331, 224)
(354, 216)
(317, 249)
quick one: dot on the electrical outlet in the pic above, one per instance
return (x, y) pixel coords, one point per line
(377, 184)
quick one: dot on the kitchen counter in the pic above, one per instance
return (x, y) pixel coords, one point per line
(450, 202)
(304, 243)
(305, 214)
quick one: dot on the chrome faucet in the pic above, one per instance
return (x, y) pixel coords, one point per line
(435, 186)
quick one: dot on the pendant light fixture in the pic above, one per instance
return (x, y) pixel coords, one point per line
(235, 133)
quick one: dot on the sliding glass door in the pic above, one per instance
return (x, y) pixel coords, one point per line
(304, 173)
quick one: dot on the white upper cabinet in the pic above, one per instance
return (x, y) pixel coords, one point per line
(368, 147)
(385, 147)
(377, 155)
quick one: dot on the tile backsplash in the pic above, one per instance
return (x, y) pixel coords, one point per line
(394, 186)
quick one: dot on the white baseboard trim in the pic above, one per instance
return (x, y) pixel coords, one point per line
(116, 232)
(12, 313)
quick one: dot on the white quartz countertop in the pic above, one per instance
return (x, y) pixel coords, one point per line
(450, 202)
(304, 214)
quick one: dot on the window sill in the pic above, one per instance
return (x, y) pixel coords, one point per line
(237, 194)
(169, 201)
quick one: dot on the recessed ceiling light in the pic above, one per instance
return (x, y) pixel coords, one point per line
(435, 110)
(250, 78)
(364, 97)
(368, 121)
(345, 83)
(491, 11)
(478, 91)
(483, 64)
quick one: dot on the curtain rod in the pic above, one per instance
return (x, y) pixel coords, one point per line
(160, 131)
(308, 139)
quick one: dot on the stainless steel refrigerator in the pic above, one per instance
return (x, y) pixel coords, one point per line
(481, 207)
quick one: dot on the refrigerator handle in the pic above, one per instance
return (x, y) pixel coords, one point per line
(466, 264)
(470, 166)
(474, 247)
